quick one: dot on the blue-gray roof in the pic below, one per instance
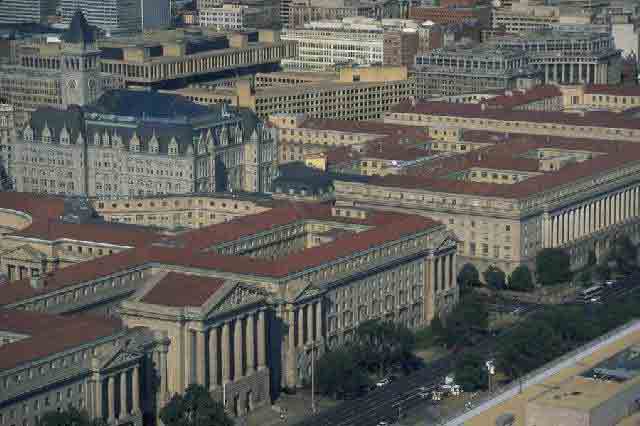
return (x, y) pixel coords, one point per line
(140, 104)
(79, 31)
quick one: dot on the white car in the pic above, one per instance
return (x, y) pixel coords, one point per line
(383, 423)
(424, 393)
(610, 283)
(384, 382)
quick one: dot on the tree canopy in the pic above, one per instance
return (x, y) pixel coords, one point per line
(552, 266)
(468, 276)
(468, 316)
(383, 343)
(339, 374)
(494, 277)
(471, 372)
(194, 408)
(69, 417)
(521, 279)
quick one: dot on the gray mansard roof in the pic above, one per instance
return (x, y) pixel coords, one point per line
(56, 120)
(79, 31)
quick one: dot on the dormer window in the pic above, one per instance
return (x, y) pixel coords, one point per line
(28, 134)
(173, 147)
(46, 135)
(153, 145)
(96, 138)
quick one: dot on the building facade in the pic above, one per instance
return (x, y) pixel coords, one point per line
(245, 280)
(362, 93)
(139, 143)
(28, 11)
(321, 45)
(302, 12)
(567, 57)
(234, 17)
(447, 72)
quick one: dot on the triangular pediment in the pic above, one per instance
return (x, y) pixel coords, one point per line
(118, 357)
(24, 253)
(232, 297)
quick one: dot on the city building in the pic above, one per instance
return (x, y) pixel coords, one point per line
(567, 57)
(321, 45)
(444, 15)
(360, 93)
(134, 143)
(522, 193)
(456, 71)
(530, 16)
(56, 74)
(594, 384)
(175, 58)
(602, 125)
(235, 17)
(183, 211)
(301, 12)
(7, 142)
(261, 292)
(119, 17)
(28, 11)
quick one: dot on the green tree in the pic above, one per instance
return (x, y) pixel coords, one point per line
(494, 277)
(383, 343)
(471, 372)
(468, 276)
(339, 374)
(194, 408)
(521, 279)
(552, 266)
(69, 417)
(468, 316)
(623, 255)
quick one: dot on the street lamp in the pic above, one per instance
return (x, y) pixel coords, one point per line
(491, 371)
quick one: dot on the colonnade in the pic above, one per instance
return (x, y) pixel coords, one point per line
(241, 343)
(574, 223)
(118, 386)
(444, 272)
(576, 73)
(307, 320)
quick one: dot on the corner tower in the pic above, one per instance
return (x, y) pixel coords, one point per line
(81, 83)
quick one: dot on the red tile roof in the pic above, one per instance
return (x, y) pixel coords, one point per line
(591, 119)
(182, 290)
(49, 334)
(40, 207)
(603, 89)
(522, 97)
(111, 233)
(370, 127)
(507, 156)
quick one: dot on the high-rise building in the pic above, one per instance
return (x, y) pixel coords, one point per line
(322, 45)
(15, 11)
(117, 17)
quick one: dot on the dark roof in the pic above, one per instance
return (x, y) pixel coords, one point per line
(134, 103)
(49, 334)
(56, 120)
(298, 175)
(79, 31)
(180, 290)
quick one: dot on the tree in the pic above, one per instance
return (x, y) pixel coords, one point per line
(494, 277)
(471, 372)
(339, 374)
(194, 408)
(521, 279)
(381, 344)
(623, 255)
(70, 417)
(468, 276)
(552, 266)
(469, 315)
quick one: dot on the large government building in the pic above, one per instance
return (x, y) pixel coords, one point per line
(133, 143)
(236, 307)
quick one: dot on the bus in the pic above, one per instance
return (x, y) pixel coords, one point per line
(591, 294)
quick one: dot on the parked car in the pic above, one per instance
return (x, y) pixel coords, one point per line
(610, 283)
(424, 392)
(384, 382)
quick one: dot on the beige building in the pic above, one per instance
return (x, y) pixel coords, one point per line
(508, 201)
(181, 211)
(364, 93)
(528, 16)
(595, 384)
(318, 270)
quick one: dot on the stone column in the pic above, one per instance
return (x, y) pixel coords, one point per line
(200, 358)
(251, 361)
(435, 264)
(570, 227)
(309, 315)
(262, 341)
(301, 340)
(111, 398)
(291, 373)
(237, 350)
(580, 79)
(188, 357)
(213, 358)
(445, 271)
(99, 398)
(135, 390)
(225, 346)
(318, 309)
(123, 395)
